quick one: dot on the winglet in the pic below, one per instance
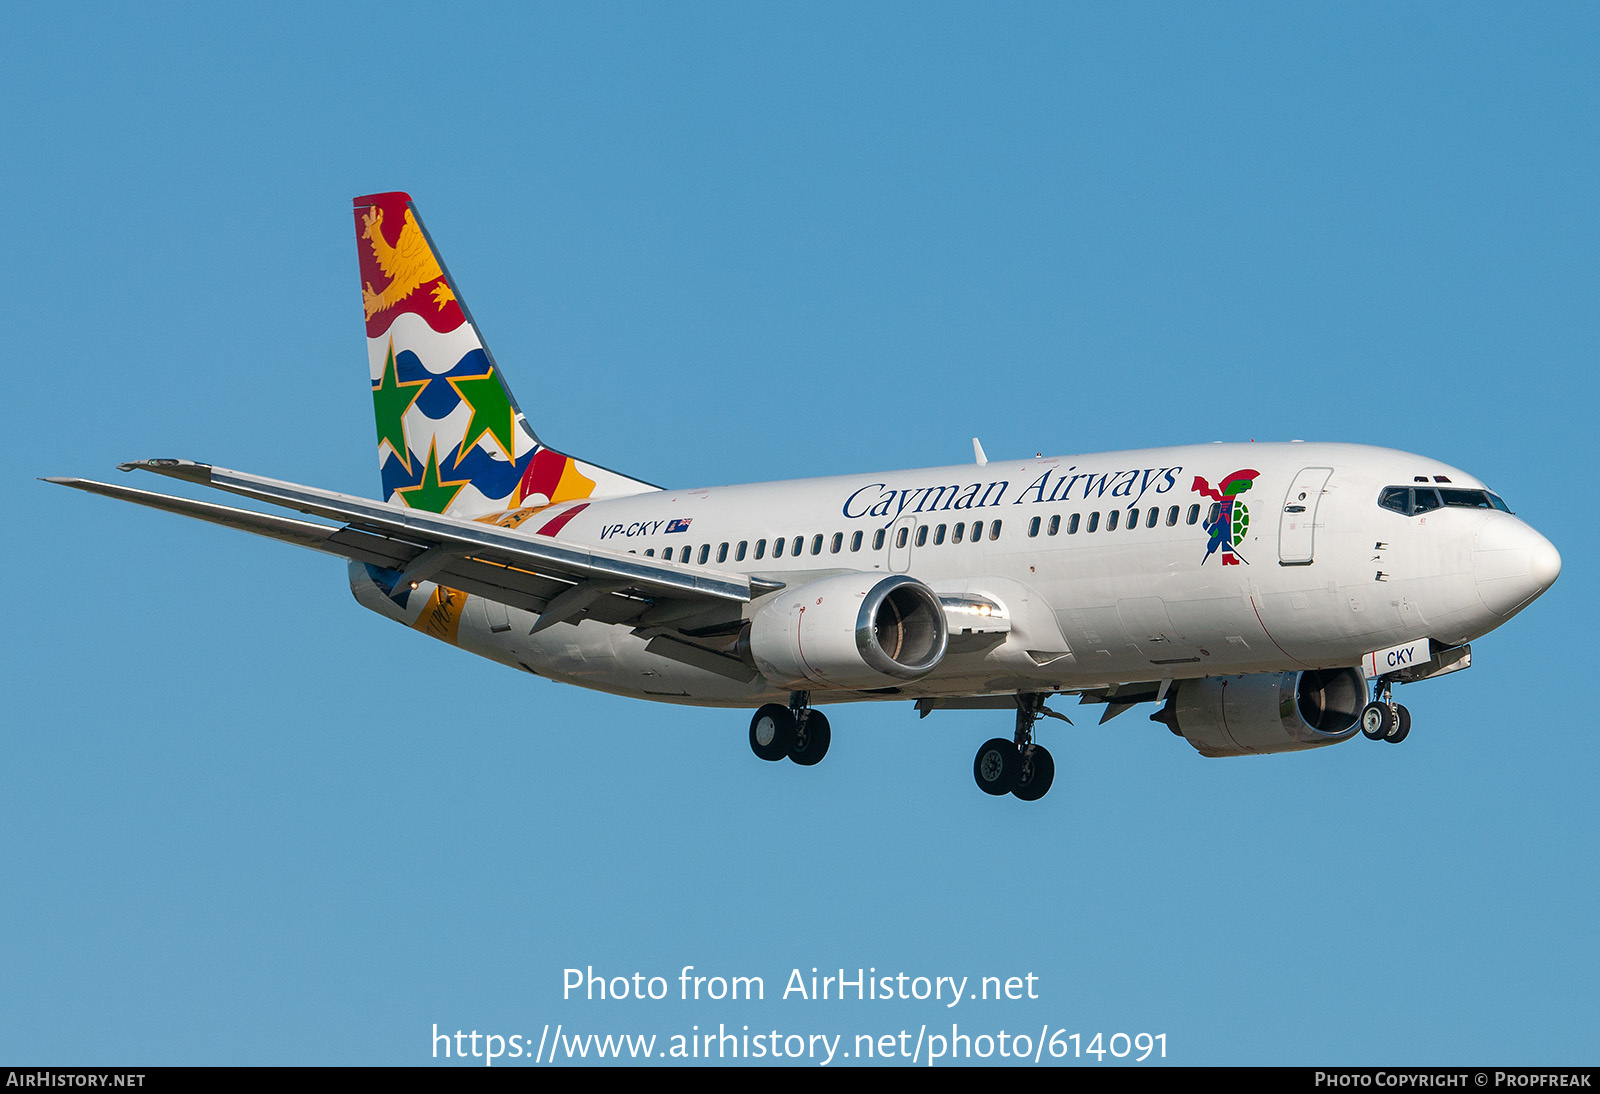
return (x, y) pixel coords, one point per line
(977, 453)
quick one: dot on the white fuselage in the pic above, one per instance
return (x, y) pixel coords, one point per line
(1312, 581)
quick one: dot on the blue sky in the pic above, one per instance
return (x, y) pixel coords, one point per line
(244, 821)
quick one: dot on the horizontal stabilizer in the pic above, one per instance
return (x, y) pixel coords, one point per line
(481, 559)
(302, 532)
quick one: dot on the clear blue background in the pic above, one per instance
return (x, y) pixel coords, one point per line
(244, 821)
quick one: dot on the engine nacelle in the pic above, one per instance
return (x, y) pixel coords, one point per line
(853, 631)
(1266, 712)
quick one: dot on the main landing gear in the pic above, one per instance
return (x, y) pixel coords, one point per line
(1018, 767)
(1383, 719)
(795, 731)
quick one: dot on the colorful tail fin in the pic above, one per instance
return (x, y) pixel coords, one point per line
(451, 438)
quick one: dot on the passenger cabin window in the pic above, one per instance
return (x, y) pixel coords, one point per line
(799, 542)
(994, 530)
(955, 536)
(922, 535)
(855, 541)
(838, 543)
(900, 537)
(1194, 514)
(777, 547)
(705, 551)
(1111, 520)
(1033, 527)
(816, 544)
(1094, 521)
(1172, 516)
(1133, 519)
(722, 552)
(1055, 524)
(1155, 515)
(938, 534)
(877, 540)
(1072, 525)
(761, 548)
(738, 555)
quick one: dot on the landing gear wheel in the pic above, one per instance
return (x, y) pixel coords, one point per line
(1035, 776)
(1402, 726)
(1377, 721)
(811, 739)
(772, 732)
(997, 766)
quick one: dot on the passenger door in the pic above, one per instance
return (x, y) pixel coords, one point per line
(1297, 523)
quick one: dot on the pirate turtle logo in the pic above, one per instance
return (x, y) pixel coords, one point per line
(1229, 519)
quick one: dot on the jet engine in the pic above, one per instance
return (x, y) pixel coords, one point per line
(1266, 712)
(853, 631)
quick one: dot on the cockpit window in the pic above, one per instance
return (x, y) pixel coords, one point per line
(1473, 499)
(1397, 498)
(1411, 500)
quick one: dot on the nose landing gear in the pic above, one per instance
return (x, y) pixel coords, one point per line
(1018, 767)
(1383, 719)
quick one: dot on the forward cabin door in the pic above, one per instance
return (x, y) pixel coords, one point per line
(1297, 524)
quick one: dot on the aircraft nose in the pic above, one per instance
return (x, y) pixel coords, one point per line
(1545, 564)
(1512, 563)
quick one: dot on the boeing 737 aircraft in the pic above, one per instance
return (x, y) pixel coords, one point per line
(1268, 596)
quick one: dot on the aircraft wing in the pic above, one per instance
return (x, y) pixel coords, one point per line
(561, 581)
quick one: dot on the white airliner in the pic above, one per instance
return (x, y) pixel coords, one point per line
(1267, 595)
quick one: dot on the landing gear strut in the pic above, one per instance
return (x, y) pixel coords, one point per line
(1018, 767)
(795, 731)
(1383, 719)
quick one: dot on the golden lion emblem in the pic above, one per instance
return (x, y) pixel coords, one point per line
(408, 265)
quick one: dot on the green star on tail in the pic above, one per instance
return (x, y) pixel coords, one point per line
(492, 413)
(390, 401)
(430, 493)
